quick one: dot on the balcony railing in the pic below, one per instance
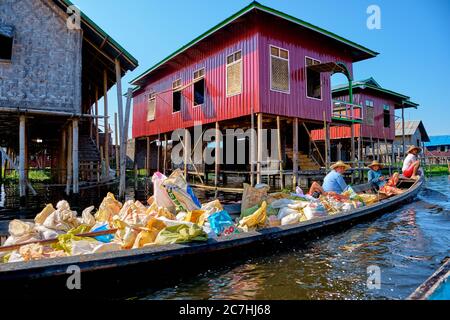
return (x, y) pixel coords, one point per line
(348, 112)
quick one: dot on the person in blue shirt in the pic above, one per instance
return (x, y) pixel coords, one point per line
(376, 178)
(334, 181)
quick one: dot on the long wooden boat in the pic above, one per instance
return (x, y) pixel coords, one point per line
(437, 287)
(114, 274)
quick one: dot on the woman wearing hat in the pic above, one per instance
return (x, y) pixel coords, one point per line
(375, 176)
(334, 181)
(411, 164)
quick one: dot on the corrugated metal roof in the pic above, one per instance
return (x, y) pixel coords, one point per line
(436, 141)
(411, 127)
(363, 52)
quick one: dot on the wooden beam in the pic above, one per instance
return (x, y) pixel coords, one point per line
(252, 149)
(69, 159)
(280, 155)
(187, 151)
(147, 157)
(105, 101)
(123, 146)
(116, 127)
(165, 153)
(158, 168)
(295, 153)
(97, 140)
(22, 147)
(76, 166)
(217, 156)
(260, 148)
(403, 132)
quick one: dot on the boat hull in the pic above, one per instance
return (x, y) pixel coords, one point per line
(114, 274)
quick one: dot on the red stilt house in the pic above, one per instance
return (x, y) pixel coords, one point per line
(259, 68)
(374, 133)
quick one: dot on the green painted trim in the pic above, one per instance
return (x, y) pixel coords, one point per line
(363, 86)
(251, 6)
(99, 30)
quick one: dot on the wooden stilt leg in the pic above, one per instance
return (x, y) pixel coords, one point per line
(75, 156)
(295, 154)
(280, 156)
(69, 160)
(22, 142)
(260, 148)
(217, 157)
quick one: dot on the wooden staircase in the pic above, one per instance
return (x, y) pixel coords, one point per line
(304, 161)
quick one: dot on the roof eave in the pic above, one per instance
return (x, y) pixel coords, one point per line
(248, 8)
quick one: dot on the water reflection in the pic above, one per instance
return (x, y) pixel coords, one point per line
(407, 244)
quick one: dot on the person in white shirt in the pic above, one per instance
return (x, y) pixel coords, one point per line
(411, 165)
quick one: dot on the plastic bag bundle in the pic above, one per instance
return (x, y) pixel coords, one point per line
(181, 234)
(220, 222)
(257, 219)
(160, 195)
(108, 209)
(314, 210)
(181, 193)
(21, 232)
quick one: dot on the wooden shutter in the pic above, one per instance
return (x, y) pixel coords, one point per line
(280, 74)
(151, 108)
(369, 116)
(234, 78)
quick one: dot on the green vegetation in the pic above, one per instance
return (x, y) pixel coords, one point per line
(436, 169)
(33, 176)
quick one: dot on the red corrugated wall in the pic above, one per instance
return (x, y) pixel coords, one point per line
(254, 43)
(217, 106)
(300, 45)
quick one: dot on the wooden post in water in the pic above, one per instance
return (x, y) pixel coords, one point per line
(403, 132)
(69, 159)
(105, 100)
(260, 148)
(22, 147)
(295, 154)
(280, 156)
(76, 166)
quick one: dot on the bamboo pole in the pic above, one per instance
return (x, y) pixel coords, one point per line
(280, 156)
(295, 154)
(260, 148)
(75, 156)
(116, 133)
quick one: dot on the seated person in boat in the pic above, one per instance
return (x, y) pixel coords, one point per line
(411, 165)
(376, 178)
(334, 181)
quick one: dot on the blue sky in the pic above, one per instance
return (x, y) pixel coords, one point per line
(414, 40)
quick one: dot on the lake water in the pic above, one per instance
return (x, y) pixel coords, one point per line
(407, 246)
